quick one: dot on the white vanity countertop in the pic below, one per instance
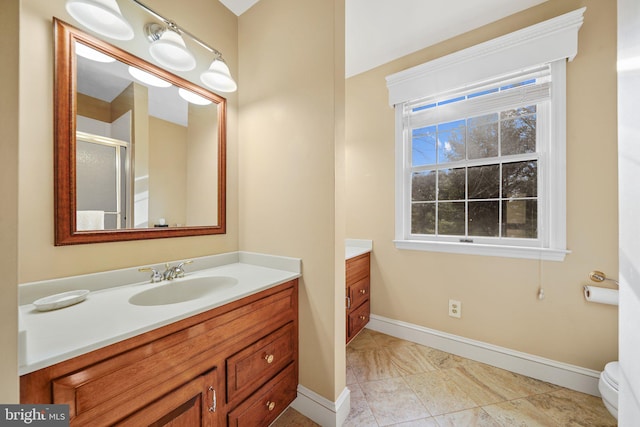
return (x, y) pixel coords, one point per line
(106, 316)
(355, 247)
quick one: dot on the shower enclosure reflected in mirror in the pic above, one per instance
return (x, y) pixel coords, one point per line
(139, 152)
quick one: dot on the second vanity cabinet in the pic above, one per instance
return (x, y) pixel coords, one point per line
(357, 289)
(234, 365)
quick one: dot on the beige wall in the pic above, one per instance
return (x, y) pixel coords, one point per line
(499, 304)
(167, 172)
(291, 78)
(38, 258)
(202, 172)
(9, 123)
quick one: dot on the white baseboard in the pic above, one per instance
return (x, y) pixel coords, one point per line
(321, 410)
(562, 374)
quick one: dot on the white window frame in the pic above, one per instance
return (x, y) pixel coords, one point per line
(551, 42)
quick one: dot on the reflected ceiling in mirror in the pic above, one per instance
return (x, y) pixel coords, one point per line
(140, 152)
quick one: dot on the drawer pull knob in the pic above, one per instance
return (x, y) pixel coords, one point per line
(363, 317)
(363, 291)
(271, 406)
(268, 358)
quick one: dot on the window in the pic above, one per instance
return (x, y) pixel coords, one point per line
(480, 148)
(474, 161)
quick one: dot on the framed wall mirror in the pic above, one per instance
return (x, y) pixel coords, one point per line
(140, 153)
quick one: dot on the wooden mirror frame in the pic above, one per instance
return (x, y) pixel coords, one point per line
(65, 108)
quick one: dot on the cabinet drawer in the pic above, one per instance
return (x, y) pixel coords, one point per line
(357, 268)
(358, 320)
(250, 368)
(269, 402)
(358, 292)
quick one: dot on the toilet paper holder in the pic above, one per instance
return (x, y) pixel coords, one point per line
(599, 276)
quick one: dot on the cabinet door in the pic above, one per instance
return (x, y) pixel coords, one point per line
(193, 404)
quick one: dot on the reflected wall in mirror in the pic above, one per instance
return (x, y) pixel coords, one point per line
(140, 153)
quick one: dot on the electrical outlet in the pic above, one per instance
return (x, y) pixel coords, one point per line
(455, 308)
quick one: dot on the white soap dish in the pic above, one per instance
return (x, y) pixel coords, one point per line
(65, 299)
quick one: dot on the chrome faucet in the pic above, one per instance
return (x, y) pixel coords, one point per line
(180, 268)
(176, 271)
(156, 276)
(170, 273)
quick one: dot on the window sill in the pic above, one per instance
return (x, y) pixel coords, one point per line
(544, 254)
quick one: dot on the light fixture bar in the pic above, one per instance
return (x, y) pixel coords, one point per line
(175, 26)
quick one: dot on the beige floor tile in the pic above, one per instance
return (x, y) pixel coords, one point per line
(372, 365)
(392, 401)
(351, 377)
(504, 383)
(475, 417)
(384, 340)
(438, 393)
(360, 414)
(293, 418)
(441, 360)
(363, 341)
(392, 380)
(519, 412)
(425, 422)
(571, 408)
(409, 360)
(480, 391)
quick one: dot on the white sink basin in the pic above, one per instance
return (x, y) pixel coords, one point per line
(182, 290)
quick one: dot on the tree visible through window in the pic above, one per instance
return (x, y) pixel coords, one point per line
(475, 176)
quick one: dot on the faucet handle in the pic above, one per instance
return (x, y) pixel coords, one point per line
(156, 276)
(179, 269)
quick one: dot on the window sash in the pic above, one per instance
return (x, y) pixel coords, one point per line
(542, 117)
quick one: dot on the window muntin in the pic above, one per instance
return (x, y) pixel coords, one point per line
(474, 162)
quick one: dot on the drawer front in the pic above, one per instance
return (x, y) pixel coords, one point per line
(359, 292)
(269, 402)
(250, 368)
(357, 268)
(358, 319)
(131, 380)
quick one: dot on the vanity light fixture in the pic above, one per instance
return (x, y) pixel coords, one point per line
(92, 54)
(168, 47)
(101, 16)
(218, 77)
(147, 78)
(192, 98)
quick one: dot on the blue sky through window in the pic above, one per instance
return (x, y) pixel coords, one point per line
(473, 95)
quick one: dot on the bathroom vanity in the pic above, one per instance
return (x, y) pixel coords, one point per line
(235, 364)
(357, 264)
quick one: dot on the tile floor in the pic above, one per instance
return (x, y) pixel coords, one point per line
(399, 383)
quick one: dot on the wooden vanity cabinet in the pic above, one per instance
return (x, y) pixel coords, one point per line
(357, 297)
(193, 404)
(235, 365)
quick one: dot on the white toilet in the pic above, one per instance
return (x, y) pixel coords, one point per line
(608, 386)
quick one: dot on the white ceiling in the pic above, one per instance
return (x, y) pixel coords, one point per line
(379, 31)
